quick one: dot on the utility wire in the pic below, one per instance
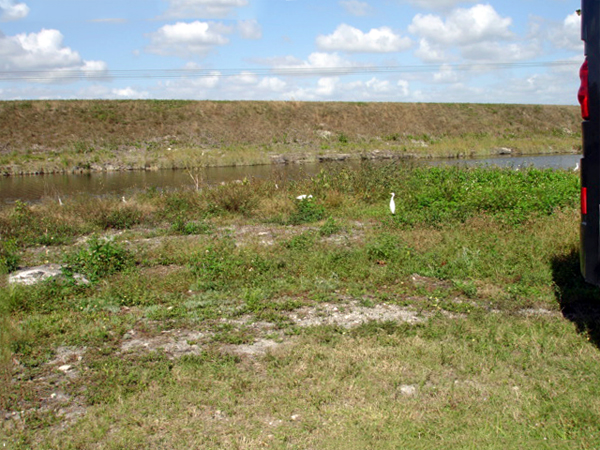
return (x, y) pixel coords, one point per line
(79, 74)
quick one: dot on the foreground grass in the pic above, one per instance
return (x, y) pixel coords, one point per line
(238, 317)
(79, 136)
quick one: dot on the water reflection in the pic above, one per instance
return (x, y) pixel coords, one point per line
(34, 188)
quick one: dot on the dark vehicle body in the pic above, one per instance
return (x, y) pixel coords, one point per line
(589, 98)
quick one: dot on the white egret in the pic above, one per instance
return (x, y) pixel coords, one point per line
(303, 197)
(393, 204)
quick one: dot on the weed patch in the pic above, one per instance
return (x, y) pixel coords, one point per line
(330, 227)
(9, 256)
(100, 259)
(182, 226)
(307, 211)
(120, 219)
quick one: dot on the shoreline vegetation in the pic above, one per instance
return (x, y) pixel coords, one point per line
(78, 136)
(237, 316)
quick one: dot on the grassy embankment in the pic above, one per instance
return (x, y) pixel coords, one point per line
(73, 136)
(237, 317)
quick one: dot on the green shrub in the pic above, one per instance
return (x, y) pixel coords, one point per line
(439, 195)
(183, 226)
(234, 198)
(222, 266)
(331, 226)
(9, 256)
(301, 242)
(307, 211)
(387, 247)
(120, 219)
(100, 259)
(26, 226)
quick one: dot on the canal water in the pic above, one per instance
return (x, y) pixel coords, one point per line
(33, 188)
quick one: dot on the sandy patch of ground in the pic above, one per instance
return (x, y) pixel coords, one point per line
(352, 314)
(175, 343)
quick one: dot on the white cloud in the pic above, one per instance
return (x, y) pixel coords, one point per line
(95, 69)
(379, 86)
(325, 60)
(326, 86)
(463, 26)
(250, 29)
(349, 39)
(547, 88)
(189, 87)
(188, 39)
(374, 89)
(182, 9)
(498, 52)
(568, 34)
(355, 7)
(404, 87)
(314, 62)
(129, 92)
(9, 10)
(438, 4)
(42, 57)
(97, 91)
(245, 86)
(478, 34)
(430, 53)
(244, 78)
(272, 84)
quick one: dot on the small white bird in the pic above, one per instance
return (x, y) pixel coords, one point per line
(303, 197)
(123, 199)
(393, 204)
(576, 169)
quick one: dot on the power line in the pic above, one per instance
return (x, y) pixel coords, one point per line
(106, 75)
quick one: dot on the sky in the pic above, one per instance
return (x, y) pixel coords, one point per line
(500, 51)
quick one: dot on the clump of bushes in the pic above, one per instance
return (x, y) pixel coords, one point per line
(121, 219)
(101, 258)
(9, 256)
(307, 211)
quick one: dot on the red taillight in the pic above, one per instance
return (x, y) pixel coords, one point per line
(583, 94)
(583, 201)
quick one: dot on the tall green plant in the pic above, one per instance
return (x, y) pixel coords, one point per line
(9, 256)
(100, 259)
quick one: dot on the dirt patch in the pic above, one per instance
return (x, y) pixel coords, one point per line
(49, 389)
(430, 284)
(175, 343)
(260, 234)
(179, 342)
(352, 314)
(258, 348)
(539, 312)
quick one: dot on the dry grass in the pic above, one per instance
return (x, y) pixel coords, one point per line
(51, 136)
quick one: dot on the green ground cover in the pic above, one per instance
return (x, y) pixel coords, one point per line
(239, 317)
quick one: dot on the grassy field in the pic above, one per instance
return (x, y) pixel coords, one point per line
(238, 317)
(76, 136)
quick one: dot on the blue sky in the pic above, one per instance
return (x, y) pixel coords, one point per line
(499, 51)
